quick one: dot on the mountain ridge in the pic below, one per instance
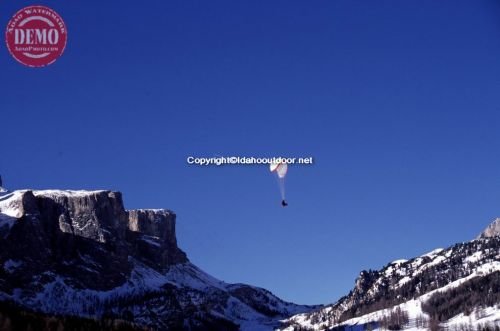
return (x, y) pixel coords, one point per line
(409, 285)
(81, 253)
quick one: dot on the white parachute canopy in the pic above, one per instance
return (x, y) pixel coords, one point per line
(280, 169)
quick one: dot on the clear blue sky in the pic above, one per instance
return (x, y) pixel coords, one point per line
(397, 101)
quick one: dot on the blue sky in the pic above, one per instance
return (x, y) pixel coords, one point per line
(397, 101)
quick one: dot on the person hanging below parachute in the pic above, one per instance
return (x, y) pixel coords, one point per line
(280, 169)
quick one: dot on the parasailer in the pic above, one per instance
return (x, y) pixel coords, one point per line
(280, 169)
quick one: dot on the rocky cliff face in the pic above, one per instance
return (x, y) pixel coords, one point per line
(81, 253)
(81, 235)
(492, 230)
(153, 232)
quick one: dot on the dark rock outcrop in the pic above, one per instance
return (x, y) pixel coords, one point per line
(153, 235)
(81, 235)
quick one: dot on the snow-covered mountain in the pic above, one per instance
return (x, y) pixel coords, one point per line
(80, 253)
(457, 288)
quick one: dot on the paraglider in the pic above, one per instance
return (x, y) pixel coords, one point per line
(280, 169)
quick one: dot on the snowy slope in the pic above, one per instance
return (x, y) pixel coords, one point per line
(414, 309)
(408, 284)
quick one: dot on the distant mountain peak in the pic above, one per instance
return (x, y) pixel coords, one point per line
(491, 230)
